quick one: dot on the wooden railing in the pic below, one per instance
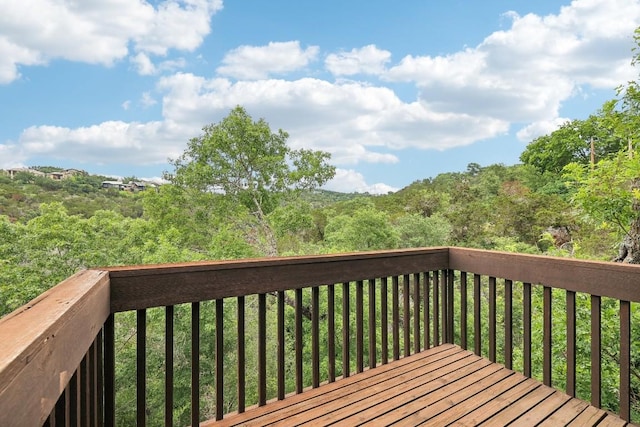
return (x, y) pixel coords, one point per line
(272, 327)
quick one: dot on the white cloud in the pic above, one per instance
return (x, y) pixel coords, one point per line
(350, 181)
(143, 64)
(524, 73)
(536, 129)
(35, 32)
(147, 100)
(366, 60)
(126, 105)
(259, 62)
(112, 141)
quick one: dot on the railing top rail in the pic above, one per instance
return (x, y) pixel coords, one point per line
(160, 285)
(44, 341)
(606, 279)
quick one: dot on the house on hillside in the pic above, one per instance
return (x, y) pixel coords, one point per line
(113, 184)
(64, 174)
(14, 171)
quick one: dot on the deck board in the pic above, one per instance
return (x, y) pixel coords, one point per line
(444, 385)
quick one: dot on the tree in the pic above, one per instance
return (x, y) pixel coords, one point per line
(246, 162)
(573, 142)
(364, 229)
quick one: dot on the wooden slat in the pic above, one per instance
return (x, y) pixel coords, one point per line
(492, 319)
(570, 388)
(426, 307)
(281, 345)
(508, 324)
(346, 344)
(241, 349)
(372, 323)
(141, 367)
(450, 306)
(384, 319)
(359, 326)
(146, 286)
(315, 336)
(195, 363)
(596, 354)
(219, 359)
(436, 308)
(435, 358)
(444, 385)
(406, 314)
(463, 310)
(477, 315)
(547, 336)
(622, 280)
(331, 332)
(395, 327)
(416, 313)
(168, 365)
(262, 344)
(299, 342)
(526, 328)
(625, 360)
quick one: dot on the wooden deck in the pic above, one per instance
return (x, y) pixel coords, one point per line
(441, 386)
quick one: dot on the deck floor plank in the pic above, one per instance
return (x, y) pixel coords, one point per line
(444, 385)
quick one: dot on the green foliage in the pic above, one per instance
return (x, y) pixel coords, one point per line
(364, 229)
(604, 191)
(415, 231)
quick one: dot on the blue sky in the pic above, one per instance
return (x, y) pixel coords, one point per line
(395, 91)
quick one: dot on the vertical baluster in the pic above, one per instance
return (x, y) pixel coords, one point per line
(596, 358)
(109, 372)
(331, 332)
(141, 371)
(450, 305)
(219, 352)
(396, 317)
(93, 385)
(571, 343)
(84, 390)
(242, 353)
(315, 337)
(477, 324)
(168, 368)
(299, 342)
(61, 410)
(281, 346)
(100, 379)
(444, 306)
(508, 324)
(195, 363)
(384, 320)
(74, 404)
(359, 327)
(346, 345)
(547, 337)
(463, 309)
(526, 328)
(262, 346)
(436, 308)
(372, 324)
(425, 303)
(406, 314)
(416, 313)
(625, 360)
(492, 319)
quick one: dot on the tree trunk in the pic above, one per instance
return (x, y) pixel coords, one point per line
(630, 247)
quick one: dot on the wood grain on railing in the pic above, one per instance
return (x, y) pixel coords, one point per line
(44, 343)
